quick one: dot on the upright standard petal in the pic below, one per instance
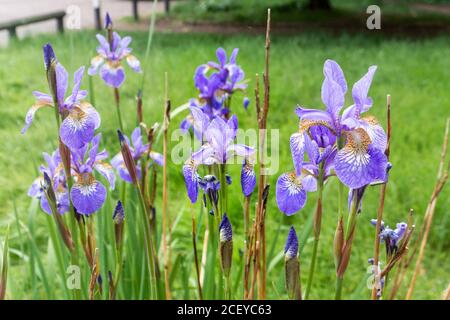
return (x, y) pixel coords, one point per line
(361, 90)
(291, 196)
(191, 179)
(359, 163)
(297, 144)
(87, 194)
(333, 97)
(332, 70)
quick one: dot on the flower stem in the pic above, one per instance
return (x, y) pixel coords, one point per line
(119, 115)
(338, 294)
(317, 227)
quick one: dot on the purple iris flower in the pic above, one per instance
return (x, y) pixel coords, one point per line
(109, 59)
(216, 83)
(210, 186)
(292, 186)
(391, 237)
(80, 119)
(138, 149)
(88, 194)
(55, 171)
(218, 148)
(361, 160)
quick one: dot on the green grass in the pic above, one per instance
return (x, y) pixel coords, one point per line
(348, 13)
(415, 73)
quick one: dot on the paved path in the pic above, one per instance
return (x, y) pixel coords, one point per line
(13, 9)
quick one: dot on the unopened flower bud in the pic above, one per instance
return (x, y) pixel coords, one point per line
(226, 245)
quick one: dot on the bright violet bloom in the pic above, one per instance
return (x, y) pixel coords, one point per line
(361, 160)
(111, 52)
(55, 172)
(292, 186)
(216, 83)
(138, 150)
(391, 237)
(80, 118)
(218, 148)
(210, 186)
(88, 194)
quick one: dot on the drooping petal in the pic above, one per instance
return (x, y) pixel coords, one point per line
(375, 132)
(96, 63)
(358, 163)
(106, 170)
(87, 194)
(248, 178)
(309, 183)
(35, 189)
(31, 112)
(290, 195)
(157, 158)
(332, 70)
(77, 128)
(134, 63)
(191, 179)
(92, 113)
(240, 150)
(361, 90)
(112, 74)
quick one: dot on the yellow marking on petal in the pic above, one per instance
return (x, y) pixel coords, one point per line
(371, 120)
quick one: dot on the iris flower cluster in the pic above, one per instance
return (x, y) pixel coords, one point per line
(347, 144)
(216, 83)
(77, 133)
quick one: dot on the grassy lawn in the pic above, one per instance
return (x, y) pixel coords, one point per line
(347, 13)
(415, 73)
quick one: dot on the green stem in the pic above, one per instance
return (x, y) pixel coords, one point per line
(228, 287)
(338, 294)
(148, 244)
(117, 100)
(317, 227)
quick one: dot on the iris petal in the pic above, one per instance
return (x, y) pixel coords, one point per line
(191, 179)
(77, 128)
(359, 163)
(248, 178)
(297, 143)
(134, 63)
(113, 75)
(88, 195)
(290, 195)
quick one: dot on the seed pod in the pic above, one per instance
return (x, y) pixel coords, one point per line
(338, 243)
(226, 245)
(292, 266)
